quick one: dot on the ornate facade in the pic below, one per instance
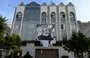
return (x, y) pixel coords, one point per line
(44, 22)
(28, 17)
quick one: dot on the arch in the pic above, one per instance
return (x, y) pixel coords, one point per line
(72, 16)
(19, 16)
(53, 17)
(43, 17)
(62, 16)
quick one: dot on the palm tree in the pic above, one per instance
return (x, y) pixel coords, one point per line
(2, 25)
(2, 31)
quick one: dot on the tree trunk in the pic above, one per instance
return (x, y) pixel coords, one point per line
(79, 55)
(6, 52)
(0, 54)
(82, 55)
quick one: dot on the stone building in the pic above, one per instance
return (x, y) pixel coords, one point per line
(84, 27)
(46, 23)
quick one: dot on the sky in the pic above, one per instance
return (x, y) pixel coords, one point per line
(82, 8)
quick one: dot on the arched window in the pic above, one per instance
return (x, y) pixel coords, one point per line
(72, 16)
(19, 16)
(43, 17)
(53, 17)
(62, 16)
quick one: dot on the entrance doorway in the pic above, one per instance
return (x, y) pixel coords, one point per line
(46, 53)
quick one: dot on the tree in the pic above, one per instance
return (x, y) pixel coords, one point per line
(2, 25)
(2, 32)
(8, 41)
(16, 44)
(12, 42)
(77, 44)
(16, 41)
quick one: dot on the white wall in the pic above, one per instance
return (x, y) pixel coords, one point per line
(18, 9)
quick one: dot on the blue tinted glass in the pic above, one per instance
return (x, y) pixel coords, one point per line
(32, 12)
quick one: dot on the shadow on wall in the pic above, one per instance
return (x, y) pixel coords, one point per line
(27, 55)
(64, 56)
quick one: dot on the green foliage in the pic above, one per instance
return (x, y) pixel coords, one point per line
(2, 31)
(77, 44)
(16, 41)
(11, 42)
(2, 41)
(2, 25)
(8, 41)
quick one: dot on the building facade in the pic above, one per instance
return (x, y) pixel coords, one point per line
(29, 17)
(84, 27)
(35, 22)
